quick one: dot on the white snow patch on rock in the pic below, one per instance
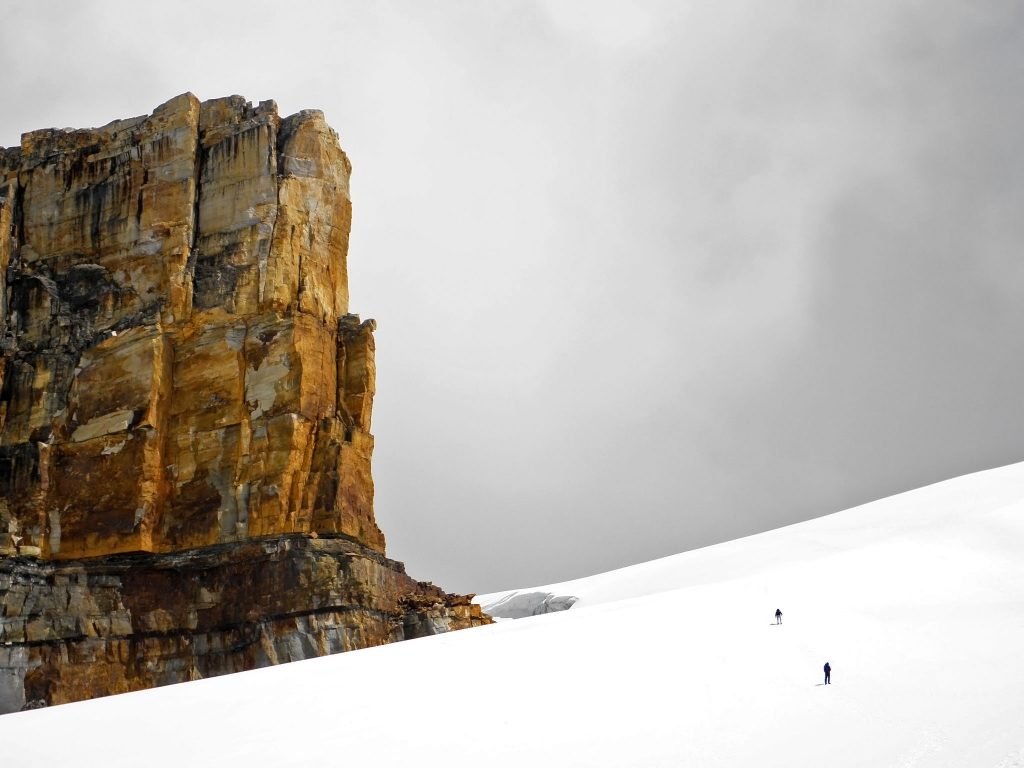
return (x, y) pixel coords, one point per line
(518, 605)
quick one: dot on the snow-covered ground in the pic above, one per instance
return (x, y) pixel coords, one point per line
(916, 600)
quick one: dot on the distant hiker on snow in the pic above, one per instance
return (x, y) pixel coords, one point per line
(828, 672)
(778, 615)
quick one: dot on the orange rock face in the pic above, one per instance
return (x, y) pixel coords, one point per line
(180, 368)
(185, 406)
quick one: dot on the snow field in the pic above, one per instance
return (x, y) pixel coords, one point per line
(916, 600)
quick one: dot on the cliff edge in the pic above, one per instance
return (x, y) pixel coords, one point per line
(185, 405)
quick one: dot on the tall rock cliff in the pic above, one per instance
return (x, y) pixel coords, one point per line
(185, 408)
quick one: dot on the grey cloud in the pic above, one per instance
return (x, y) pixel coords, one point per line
(647, 276)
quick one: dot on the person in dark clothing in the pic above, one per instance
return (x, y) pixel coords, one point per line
(828, 673)
(778, 615)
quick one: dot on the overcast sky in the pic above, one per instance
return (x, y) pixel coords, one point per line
(648, 275)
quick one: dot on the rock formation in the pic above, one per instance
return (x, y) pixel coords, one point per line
(185, 408)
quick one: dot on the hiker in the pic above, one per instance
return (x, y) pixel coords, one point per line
(778, 615)
(828, 672)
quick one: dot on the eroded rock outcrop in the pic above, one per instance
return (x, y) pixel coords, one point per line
(180, 371)
(77, 630)
(180, 366)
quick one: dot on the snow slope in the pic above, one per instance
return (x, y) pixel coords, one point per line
(916, 600)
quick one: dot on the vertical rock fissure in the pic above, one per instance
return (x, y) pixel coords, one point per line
(140, 197)
(18, 217)
(193, 253)
(239, 486)
(264, 254)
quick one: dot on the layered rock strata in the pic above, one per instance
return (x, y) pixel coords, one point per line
(76, 630)
(179, 370)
